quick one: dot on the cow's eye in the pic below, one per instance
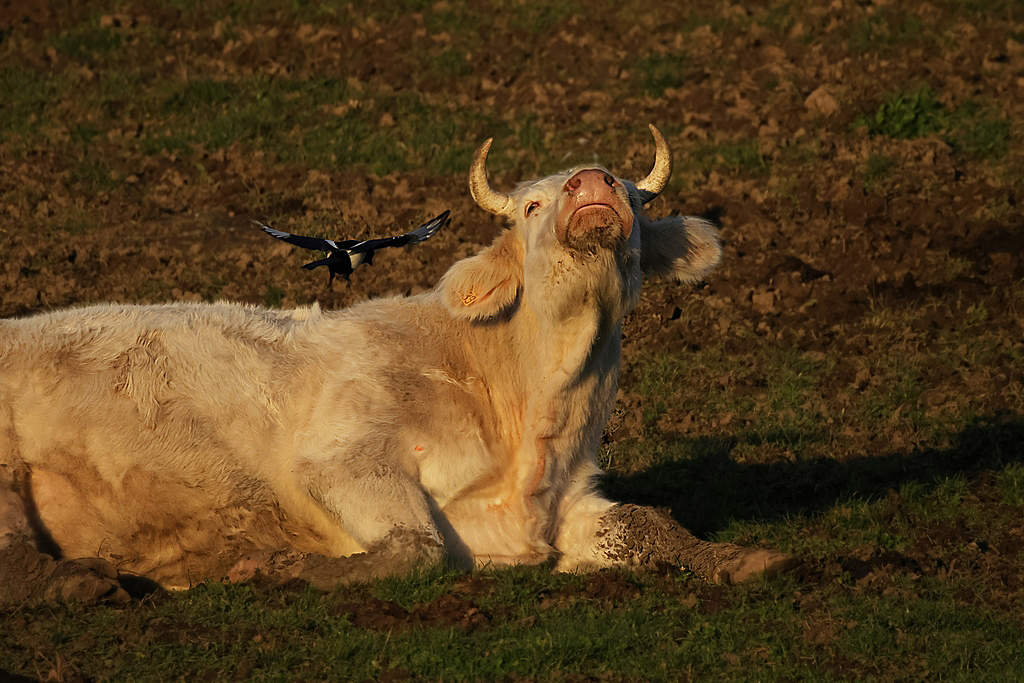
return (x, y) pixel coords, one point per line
(531, 207)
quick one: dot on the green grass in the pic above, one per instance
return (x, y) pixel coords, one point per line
(655, 73)
(743, 156)
(773, 396)
(884, 30)
(274, 296)
(981, 137)
(539, 626)
(322, 122)
(543, 17)
(877, 170)
(969, 129)
(905, 115)
(71, 221)
(27, 99)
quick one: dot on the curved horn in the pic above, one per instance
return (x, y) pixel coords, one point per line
(488, 198)
(656, 180)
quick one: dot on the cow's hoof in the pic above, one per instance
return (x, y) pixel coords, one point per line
(756, 563)
(88, 580)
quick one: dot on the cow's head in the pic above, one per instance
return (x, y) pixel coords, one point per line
(577, 236)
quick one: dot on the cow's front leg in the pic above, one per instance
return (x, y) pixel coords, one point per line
(378, 505)
(597, 533)
(640, 536)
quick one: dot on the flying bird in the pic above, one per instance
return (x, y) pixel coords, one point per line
(346, 255)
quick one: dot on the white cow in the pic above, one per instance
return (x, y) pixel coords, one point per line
(186, 442)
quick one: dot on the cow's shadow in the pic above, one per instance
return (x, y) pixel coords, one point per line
(708, 490)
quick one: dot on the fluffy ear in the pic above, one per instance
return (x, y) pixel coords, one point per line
(484, 285)
(683, 247)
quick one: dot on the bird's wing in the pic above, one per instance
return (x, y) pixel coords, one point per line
(416, 236)
(312, 243)
(427, 230)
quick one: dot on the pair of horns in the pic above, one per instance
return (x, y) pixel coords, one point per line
(500, 203)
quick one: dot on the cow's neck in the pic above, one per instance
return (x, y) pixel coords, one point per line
(555, 379)
(565, 346)
(574, 365)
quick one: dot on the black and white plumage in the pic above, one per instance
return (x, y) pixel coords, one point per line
(345, 256)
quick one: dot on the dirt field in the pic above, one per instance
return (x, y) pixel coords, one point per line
(862, 337)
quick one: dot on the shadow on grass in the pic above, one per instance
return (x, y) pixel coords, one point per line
(707, 490)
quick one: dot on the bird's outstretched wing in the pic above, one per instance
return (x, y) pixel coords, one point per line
(420, 234)
(311, 243)
(346, 255)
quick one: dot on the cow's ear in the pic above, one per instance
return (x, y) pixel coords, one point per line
(484, 285)
(683, 247)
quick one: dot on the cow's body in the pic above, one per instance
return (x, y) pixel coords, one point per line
(190, 441)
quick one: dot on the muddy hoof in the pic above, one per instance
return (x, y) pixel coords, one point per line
(88, 580)
(758, 563)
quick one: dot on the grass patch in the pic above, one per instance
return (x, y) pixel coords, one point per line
(877, 171)
(274, 296)
(770, 399)
(451, 63)
(28, 96)
(537, 18)
(981, 137)
(389, 10)
(92, 175)
(884, 31)
(906, 115)
(742, 156)
(969, 129)
(547, 628)
(72, 220)
(654, 73)
(89, 42)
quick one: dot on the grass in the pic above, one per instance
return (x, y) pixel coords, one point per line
(877, 170)
(538, 626)
(339, 126)
(657, 72)
(743, 156)
(886, 30)
(274, 296)
(906, 115)
(539, 18)
(969, 129)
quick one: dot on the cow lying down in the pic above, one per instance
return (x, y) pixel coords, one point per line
(187, 442)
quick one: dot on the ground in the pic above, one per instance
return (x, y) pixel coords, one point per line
(846, 387)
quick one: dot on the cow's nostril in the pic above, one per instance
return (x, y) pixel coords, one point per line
(573, 183)
(609, 180)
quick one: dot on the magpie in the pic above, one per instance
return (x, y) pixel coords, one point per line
(346, 255)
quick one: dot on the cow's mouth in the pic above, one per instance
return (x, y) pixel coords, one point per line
(595, 226)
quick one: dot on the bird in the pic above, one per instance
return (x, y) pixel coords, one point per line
(346, 255)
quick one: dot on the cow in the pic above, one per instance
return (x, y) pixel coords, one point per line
(187, 442)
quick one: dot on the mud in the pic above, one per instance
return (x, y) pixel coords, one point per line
(31, 576)
(397, 553)
(450, 610)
